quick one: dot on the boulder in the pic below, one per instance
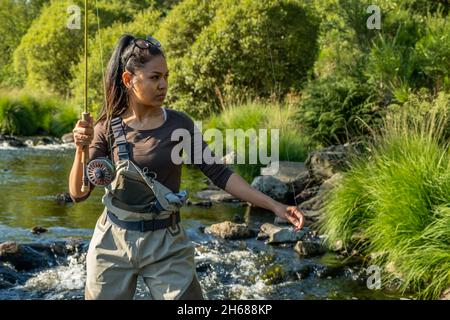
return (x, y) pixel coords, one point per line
(230, 231)
(323, 164)
(293, 174)
(272, 187)
(67, 138)
(279, 235)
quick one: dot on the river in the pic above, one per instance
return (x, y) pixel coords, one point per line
(30, 179)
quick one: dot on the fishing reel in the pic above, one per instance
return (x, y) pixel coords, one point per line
(100, 171)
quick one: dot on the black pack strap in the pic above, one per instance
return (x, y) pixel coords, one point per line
(146, 225)
(119, 138)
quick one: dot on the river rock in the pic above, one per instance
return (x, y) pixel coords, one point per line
(216, 196)
(279, 235)
(294, 174)
(24, 257)
(311, 216)
(63, 198)
(323, 164)
(10, 277)
(67, 138)
(230, 231)
(446, 294)
(313, 204)
(281, 222)
(307, 194)
(272, 187)
(10, 141)
(38, 230)
(310, 247)
(331, 183)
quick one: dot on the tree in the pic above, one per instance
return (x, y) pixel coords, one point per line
(16, 17)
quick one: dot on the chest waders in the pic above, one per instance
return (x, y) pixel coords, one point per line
(135, 199)
(138, 233)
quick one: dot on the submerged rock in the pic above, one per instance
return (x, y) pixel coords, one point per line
(310, 247)
(63, 198)
(9, 277)
(230, 231)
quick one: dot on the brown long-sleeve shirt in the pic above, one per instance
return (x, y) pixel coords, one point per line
(152, 148)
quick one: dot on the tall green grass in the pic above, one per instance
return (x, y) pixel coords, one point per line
(294, 145)
(397, 199)
(23, 114)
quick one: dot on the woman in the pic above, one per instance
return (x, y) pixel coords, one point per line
(131, 237)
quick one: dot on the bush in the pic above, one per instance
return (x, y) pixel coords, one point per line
(26, 115)
(49, 49)
(397, 198)
(338, 109)
(16, 118)
(249, 49)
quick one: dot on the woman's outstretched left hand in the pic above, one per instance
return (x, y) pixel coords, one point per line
(292, 214)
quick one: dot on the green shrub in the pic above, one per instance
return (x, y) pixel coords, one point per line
(338, 109)
(397, 198)
(16, 118)
(250, 48)
(25, 115)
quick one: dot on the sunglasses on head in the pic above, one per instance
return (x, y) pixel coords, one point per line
(146, 43)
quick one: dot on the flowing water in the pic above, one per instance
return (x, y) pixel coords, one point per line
(30, 179)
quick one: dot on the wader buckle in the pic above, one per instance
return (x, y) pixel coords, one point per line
(174, 228)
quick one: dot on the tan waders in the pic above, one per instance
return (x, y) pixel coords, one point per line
(138, 234)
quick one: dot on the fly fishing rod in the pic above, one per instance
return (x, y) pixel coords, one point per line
(85, 115)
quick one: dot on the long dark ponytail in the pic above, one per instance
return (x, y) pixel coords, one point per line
(124, 57)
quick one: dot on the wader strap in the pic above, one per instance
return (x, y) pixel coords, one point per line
(119, 137)
(145, 225)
